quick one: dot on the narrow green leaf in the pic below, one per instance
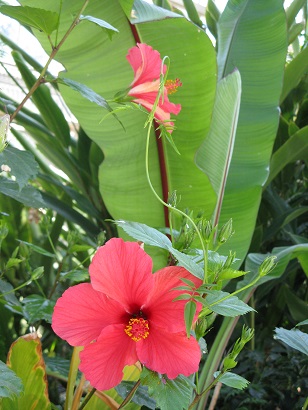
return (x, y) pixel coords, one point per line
(294, 338)
(293, 149)
(304, 322)
(215, 154)
(13, 262)
(101, 23)
(10, 384)
(37, 308)
(22, 163)
(38, 249)
(233, 380)
(26, 360)
(168, 394)
(189, 314)
(294, 72)
(192, 12)
(293, 10)
(43, 20)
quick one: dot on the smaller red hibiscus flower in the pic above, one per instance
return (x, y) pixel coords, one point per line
(127, 314)
(147, 66)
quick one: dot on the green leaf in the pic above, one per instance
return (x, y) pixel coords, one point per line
(40, 19)
(304, 322)
(22, 163)
(293, 10)
(168, 394)
(294, 72)
(37, 308)
(293, 149)
(294, 338)
(38, 249)
(244, 44)
(28, 196)
(232, 306)
(101, 23)
(233, 380)
(217, 148)
(25, 359)
(143, 12)
(13, 262)
(13, 303)
(141, 396)
(189, 314)
(10, 384)
(151, 236)
(75, 276)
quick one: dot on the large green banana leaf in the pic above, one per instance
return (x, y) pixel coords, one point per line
(252, 38)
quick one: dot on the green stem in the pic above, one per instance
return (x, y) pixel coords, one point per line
(170, 206)
(18, 287)
(199, 396)
(87, 399)
(53, 53)
(305, 406)
(72, 378)
(130, 395)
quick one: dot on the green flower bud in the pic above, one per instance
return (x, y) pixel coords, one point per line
(267, 265)
(225, 232)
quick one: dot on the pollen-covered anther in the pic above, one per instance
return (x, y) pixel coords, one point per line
(173, 85)
(137, 329)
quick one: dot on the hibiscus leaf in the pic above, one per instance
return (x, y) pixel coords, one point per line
(153, 237)
(233, 380)
(141, 396)
(189, 314)
(22, 163)
(294, 338)
(36, 307)
(10, 383)
(219, 302)
(144, 233)
(101, 23)
(168, 394)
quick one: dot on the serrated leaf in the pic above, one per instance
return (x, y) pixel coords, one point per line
(101, 23)
(153, 237)
(294, 338)
(28, 196)
(10, 383)
(232, 306)
(189, 314)
(38, 249)
(43, 20)
(168, 394)
(22, 163)
(141, 396)
(233, 380)
(25, 359)
(37, 307)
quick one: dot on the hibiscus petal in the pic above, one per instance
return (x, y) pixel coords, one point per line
(82, 312)
(102, 362)
(160, 308)
(169, 353)
(145, 62)
(123, 271)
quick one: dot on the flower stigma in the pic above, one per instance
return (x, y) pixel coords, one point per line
(173, 85)
(137, 329)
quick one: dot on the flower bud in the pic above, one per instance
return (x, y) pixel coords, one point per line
(225, 232)
(267, 265)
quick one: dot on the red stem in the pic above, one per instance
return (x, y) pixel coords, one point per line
(160, 150)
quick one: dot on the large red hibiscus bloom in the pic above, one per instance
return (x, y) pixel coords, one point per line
(147, 66)
(127, 314)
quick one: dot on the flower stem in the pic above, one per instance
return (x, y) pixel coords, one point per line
(53, 53)
(170, 207)
(87, 399)
(130, 395)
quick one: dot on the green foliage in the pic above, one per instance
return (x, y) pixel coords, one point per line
(10, 384)
(168, 393)
(294, 338)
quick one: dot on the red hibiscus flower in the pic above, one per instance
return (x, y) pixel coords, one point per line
(127, 314)
(147, 66)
